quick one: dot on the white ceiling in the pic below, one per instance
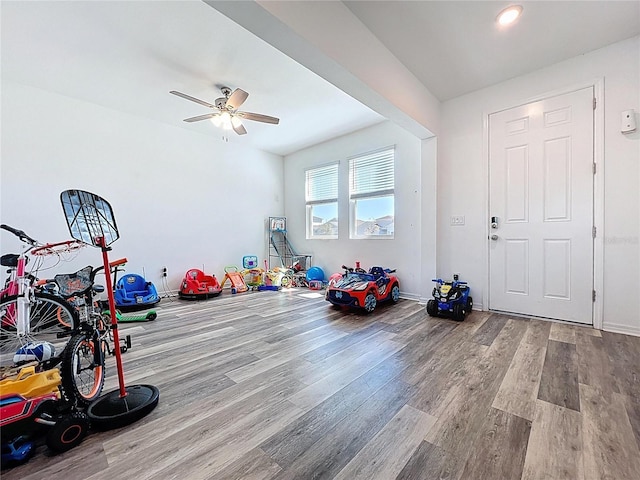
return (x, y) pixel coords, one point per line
(456, 47)
(128, 55)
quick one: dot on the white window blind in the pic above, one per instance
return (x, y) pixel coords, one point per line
(322, 184)
(372, 173)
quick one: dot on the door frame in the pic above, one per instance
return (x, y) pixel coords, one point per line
(598, 187)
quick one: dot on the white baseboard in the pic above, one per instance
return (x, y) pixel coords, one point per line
(617, 328)
(410, 296)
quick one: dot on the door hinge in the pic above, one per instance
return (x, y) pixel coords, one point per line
(594, 168)
(593, 295)
(594, 103)
(594, 232)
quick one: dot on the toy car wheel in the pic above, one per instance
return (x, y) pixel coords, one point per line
(469, 306)
(432, 308)
(370, 302)
(68, 432)
(458, 312)
(395, 293)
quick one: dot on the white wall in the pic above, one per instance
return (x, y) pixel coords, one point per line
(404, 252)
(462, 174)
(181, 199)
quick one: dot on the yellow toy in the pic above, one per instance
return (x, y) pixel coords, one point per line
(30, 384)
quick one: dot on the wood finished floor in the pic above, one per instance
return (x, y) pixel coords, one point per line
(277, 385)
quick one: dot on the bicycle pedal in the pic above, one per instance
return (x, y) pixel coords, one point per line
(128, 341)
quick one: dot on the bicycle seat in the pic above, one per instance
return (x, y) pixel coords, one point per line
(10, 260)
(71, 284)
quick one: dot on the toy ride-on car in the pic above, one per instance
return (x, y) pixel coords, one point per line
(198, 285)
(361, 289)
(30, 405)
(450, 298)
(133, 290)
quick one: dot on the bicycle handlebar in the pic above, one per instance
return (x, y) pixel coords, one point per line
(113, 265)
(20, 234)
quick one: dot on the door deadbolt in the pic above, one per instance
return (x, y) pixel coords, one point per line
(494, 237)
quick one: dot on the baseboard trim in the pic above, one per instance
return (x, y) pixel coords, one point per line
(618, 328)
(410, 296)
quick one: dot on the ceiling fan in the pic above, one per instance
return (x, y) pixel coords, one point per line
(226, 112)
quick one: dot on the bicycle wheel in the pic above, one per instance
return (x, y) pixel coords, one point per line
(82, 368)
(51, 319)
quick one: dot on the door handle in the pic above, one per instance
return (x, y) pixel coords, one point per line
(494, 237)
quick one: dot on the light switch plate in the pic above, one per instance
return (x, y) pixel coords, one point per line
(457, 220)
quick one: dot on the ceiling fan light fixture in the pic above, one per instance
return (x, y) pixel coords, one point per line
(235, 121)
(216, 120)
(225, 120)
(509, 15)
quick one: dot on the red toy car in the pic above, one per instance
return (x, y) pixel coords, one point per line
(196, 284)
(361, 289)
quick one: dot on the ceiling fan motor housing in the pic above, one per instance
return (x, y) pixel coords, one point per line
(221, 103)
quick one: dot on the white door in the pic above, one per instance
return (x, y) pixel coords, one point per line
(541, 195)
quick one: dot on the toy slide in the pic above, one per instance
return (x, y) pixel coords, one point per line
(236, 279)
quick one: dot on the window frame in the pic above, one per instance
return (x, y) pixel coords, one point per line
(313, 200)
(387, 188)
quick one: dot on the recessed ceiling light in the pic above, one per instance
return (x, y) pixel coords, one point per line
(509, 15)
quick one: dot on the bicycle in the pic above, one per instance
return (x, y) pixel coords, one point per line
(83, 360)
(29, 316)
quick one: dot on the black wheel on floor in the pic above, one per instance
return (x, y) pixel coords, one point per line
(469, 306)
(432, 308)
(458, 312)
(68, 432)
(82, 369)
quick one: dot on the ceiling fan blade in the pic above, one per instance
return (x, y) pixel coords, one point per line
(237, 126)
(206, 116)
(258, 117)
(236, 99)
(193, 99)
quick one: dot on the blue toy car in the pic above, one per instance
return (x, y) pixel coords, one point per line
(450, 298)
(17, 451)
(133, 290)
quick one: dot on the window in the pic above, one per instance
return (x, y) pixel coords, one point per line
(371, 194)
(321, 186)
